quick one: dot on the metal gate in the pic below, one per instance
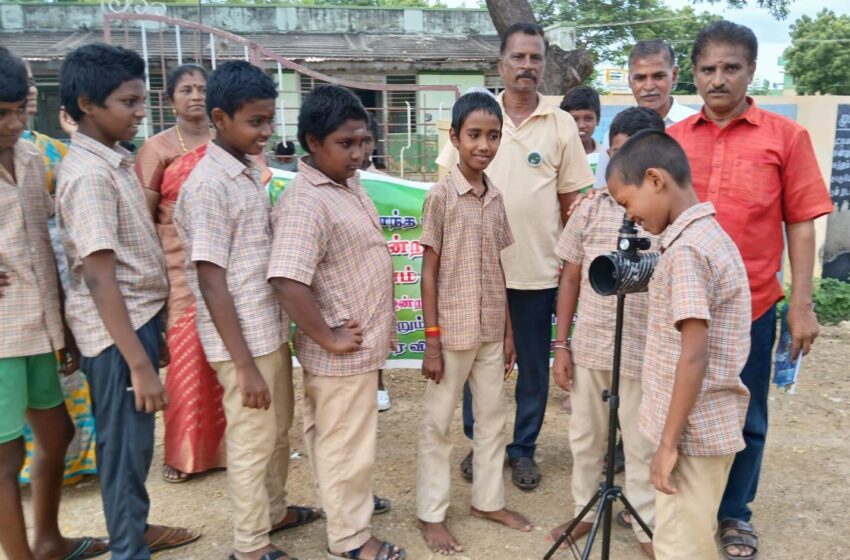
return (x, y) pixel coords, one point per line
(407, 120)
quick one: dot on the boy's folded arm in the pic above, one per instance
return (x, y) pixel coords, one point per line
(299, 302)
(690, 372)
(212, 281)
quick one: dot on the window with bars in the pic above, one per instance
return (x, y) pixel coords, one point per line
(493, 82)
(397, 104)
(308, 83)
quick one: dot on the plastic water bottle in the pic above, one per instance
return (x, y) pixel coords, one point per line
(787, 369)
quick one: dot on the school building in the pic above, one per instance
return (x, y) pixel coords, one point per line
(410, 63)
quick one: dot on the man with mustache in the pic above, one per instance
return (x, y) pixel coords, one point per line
(539, 168)
(653, 73)
(760, 172)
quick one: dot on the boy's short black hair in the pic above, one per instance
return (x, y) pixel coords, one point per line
(284, 148)
(525, 28)
(372, 126)
(471, 102)
(325, 109)
(177, 73)
(650, 149)
(235, 83)
(634, 119)
(95, 71)
(582, 98)
(13, 85)
(726, 32)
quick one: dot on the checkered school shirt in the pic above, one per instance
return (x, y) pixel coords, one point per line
(468, 231)
(592, 231)
(29, 309)
(328, 236)
(700, 275)
(101, 207)
(223, 217)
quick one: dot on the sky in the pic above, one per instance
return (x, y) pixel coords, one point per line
(773, 35)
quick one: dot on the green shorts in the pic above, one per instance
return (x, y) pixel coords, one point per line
(26, 382)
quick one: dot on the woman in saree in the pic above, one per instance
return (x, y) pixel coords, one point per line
(194, 419)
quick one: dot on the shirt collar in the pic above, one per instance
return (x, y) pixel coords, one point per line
(462, 185)
(317, 178)
(685, 219)
(116, 156)
(677, 112)
(232, 166)
(752, 115)
(543, 108)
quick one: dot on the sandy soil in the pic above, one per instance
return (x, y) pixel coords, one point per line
(800, 511)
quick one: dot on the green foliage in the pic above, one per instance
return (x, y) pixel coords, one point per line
(819, 56)
(609, 29)
(776, 8)
(373, 3)
(832, 301)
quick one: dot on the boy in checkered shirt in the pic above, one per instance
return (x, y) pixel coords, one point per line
(332, 270)
(118, 287)
(223, 218)
(31, 335)
(694, 401)
(585, 367)
(468, 329)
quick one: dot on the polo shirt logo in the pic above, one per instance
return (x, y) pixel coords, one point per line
(535, 158)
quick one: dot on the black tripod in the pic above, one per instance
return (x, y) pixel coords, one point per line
(608, 492)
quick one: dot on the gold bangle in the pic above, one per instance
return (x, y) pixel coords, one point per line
(433, 355)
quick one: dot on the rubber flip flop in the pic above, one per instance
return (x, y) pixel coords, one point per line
(82, 550)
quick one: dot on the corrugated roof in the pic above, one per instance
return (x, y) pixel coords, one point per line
(47, 45)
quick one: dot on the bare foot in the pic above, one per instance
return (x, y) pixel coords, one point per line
(581, 530)
(504, 516)
(438, 538)
(171, 474)
(647, 549)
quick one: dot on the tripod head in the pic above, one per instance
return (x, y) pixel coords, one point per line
(627, 270)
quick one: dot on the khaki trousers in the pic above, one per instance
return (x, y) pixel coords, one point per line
(257, 444)
(589, 443)
(340, 429)
(484, 367)
(687, 521)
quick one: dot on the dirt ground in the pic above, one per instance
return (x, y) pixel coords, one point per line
(801, 511)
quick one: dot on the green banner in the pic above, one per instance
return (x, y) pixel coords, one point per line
(399, 205)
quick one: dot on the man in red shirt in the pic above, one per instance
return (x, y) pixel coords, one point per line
(760, 172)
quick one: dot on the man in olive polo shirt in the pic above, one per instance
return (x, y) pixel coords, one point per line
(539, 168)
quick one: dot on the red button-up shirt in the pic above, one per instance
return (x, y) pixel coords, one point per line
(759, 171)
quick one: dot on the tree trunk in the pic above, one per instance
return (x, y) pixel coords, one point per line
(564, 69)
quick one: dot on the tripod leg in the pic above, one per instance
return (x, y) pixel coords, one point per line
(588, 546)
(635, 516)
(569, 530)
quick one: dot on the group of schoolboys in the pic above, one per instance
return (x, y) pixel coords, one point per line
(319, 259)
